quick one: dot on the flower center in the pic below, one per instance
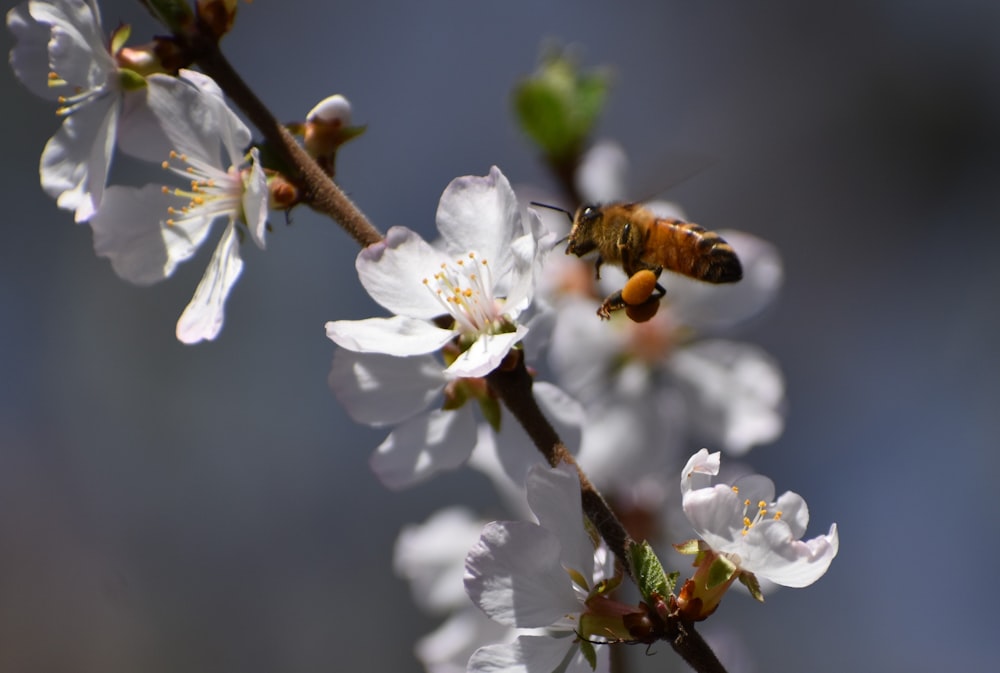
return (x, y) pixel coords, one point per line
(465, 289)
(212, 191)
(761, 514)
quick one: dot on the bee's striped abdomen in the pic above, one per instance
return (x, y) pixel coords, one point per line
(691, 250)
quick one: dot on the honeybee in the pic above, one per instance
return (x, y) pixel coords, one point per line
(631, 236)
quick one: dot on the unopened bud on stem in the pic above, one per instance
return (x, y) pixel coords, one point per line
(327, 127)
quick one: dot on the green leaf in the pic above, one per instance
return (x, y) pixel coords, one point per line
(672, 580)
(648, 571)
(558, 106)
(587, 648)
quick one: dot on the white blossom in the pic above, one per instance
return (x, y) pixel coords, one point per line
(756, 532)
(481, 282)
(61, 53)
(146, 232)
(538, 576)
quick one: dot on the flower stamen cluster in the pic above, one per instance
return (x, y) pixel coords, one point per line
(212, 192)
(466, 295)
(749, 523)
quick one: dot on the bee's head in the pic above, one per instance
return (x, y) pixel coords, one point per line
(582, 237)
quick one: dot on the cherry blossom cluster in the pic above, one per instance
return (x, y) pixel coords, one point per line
(638, 393)
(113, 97)
(623, 401)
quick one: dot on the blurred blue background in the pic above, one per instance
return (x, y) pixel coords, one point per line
(210, 508)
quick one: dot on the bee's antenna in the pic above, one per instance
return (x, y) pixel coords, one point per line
(551, 207)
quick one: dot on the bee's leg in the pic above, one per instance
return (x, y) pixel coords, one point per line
(640, 296)
(613, 303)
(597, 266)
(659, 288)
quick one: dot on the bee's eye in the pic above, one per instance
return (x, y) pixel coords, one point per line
(590, 213)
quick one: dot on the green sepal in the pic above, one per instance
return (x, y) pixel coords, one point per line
(131, 80)
(457, 396)
(720, 572)
(351, 132)
(119, 37)
(589, 653)
(749, 580)
(648, 571)
(688, 548)
(558, 106)
(490, 407)
(606, 586)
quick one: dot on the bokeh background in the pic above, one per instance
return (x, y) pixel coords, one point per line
(210, 508)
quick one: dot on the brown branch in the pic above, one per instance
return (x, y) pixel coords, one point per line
(513, 387)
(316, 188)
(692, 648)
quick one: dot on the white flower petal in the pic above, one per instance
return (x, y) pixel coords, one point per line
(393, 272)
(77, 50)
(482, 214)
(485, 459)
(431, 557)
(554, 497)
(736, 391)
(527, 654)
(448, 648)
(716, 515)
(794, 512)
(153, 111)
(255, 199)
(485, 354)
(423, 446)
(583, 350)
(700, 469)
(515, 575)
(129, 231)
(787, 561)
(30, 56)
(196, 122)
(515, 451)
(140, 130)
(380, 389)
(203, 317)
(519, 285)
(398, 335)
(602, 174)
(75, 161)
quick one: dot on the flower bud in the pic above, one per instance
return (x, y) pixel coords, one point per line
(328, 127)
